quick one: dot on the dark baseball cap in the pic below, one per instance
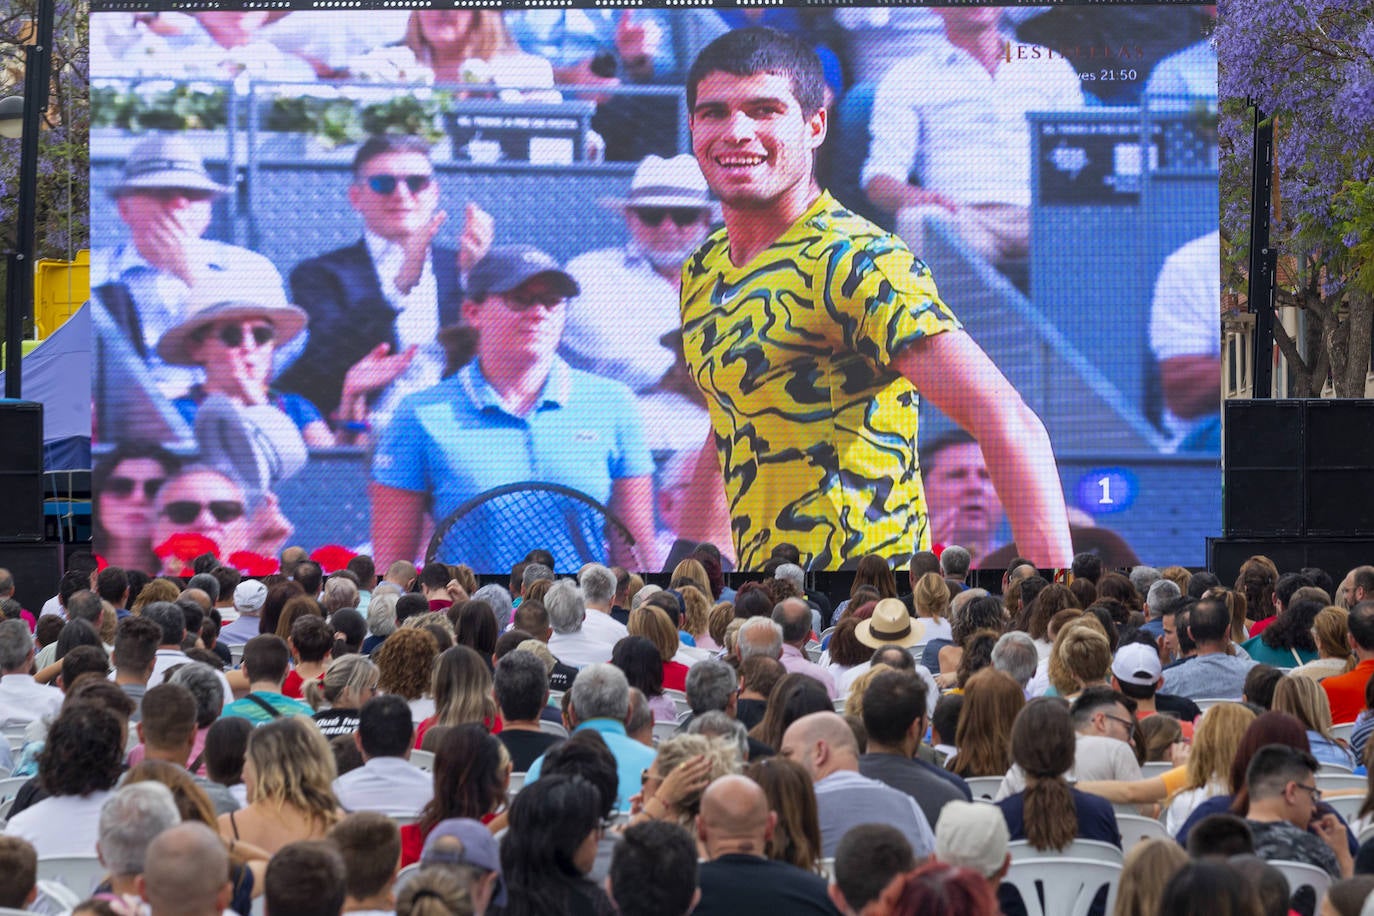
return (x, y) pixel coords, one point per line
(505, 268)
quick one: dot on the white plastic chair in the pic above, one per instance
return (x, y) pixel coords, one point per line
(403, 820)
(1332, 781)
(1347, 806)
(1063, 886)
(1342, 732)
(984, 788)
(1300, 875)
(517, 782)
(9, 787)
(1207, 702)
(679, 700)
(552, 728)
(1135, 827)
(405, 875)
(422, 760)
(1365, 834)
(664, 730)
(14, 734)
(1093, 850)
(1155, 768)
(827, 868)
(79, 874)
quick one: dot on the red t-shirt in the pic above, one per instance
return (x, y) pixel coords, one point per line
(295, 684)
(1259, 626)
(674, 676)
(493, 725)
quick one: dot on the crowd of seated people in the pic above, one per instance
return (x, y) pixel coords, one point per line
(223, 738)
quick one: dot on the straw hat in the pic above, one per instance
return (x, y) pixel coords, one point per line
(244, 296)
(890, 625)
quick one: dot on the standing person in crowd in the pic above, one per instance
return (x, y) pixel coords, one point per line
(761, 166)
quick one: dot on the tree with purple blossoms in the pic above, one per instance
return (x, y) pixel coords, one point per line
(1310, 66)
(63, 224)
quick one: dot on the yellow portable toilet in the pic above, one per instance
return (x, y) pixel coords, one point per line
(59, 289)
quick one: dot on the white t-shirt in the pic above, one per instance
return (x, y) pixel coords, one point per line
(64, 825)
(1185, 313)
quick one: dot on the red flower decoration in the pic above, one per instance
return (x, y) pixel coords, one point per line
(253, 564)
(332, 557)
(100, 563)
(937, 549)
(186, 547)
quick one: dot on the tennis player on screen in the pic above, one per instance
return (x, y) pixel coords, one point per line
(811, 331)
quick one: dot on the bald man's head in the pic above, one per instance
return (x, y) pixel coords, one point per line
(187, 872)
(735, 817)
(822, 742)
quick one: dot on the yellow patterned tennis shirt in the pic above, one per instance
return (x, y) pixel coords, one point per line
(815, 431)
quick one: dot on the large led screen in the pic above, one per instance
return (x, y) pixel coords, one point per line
(457, 283)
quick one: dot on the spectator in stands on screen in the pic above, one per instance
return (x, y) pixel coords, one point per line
(376, 306)
(232, 332)
(1213, 671)
(204, 501)
(164, 199)
(1186, 345)
(965, 138)
(460, 48)
(516, 306)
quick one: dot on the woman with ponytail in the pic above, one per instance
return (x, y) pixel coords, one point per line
(1049, 813)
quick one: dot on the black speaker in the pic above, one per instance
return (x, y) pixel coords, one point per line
(21, 471)
(1340, 468)
(1335, 555)
(1264, 486)
(37, 569)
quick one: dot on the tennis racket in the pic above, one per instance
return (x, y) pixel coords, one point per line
(494, 530)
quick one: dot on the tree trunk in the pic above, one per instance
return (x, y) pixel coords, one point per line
(1359, 326)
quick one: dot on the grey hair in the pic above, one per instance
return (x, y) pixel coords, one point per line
(1142, 577)
(381, 612)
(1161, 593)
(498, 597)
(710, 685)
(566, 609)
(601, 691)
(748, 648)
(955, 561)
(793, 573)
(533, 573)
(16, 642)
(716, 724)
(519, 676)
(638, 716)
(129, 820)
(206, 583)
(170, 618)
(642, 595)
(339, 593)
(203, 683)
(598, 583)
(1015, 653)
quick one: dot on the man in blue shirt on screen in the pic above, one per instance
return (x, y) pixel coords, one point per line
(514, 412)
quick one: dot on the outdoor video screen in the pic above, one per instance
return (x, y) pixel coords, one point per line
(458, 283)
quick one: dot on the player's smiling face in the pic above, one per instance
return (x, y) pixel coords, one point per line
(751, 138)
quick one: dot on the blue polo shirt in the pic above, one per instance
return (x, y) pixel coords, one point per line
(631, 758)
(458, 439)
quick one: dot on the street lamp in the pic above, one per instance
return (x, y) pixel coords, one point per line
(19, 275)
(12, 117)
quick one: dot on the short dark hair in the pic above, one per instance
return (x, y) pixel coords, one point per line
(170, 617)
(435, 575)
(83, 659)
(111, 584)
(1200, 582)
(1260, 683)
(945, 719)
(365, 569)
(228, 578)
(1094, 698)
(19, 871)
(84, 605)
(1361, 624)
(409, 605)
(385, 728)
(168, 716)
(266, 658)
(893, 701)
(371, 846)
(226, 745)
(312, 637)
(585, 754)
(83, 752)
(75, 633)
(521, 685)
(310, 576)
(1087, 566)
(867, 858)
(654, 870)
(787, 552)
(1220, 835)
(136, 642)
(306, 878)
(1274, 766)
(532, 617)
(73, 581)
(746, 52)
(1209, 621)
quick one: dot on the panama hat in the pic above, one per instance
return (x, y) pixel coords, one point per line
(234, 296)
(890, 625)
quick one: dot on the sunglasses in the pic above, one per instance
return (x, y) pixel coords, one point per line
(518, 301)
(123, 487)
(231, 335)
(183, 512)
(386, 184)
(682, 217)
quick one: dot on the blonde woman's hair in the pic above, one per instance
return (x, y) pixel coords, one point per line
(293, 765)
(854, 703)
(693, 571)
(1178, 575)
(1147, 869)
(696, 620)
(1304, 699)
(1059, 674)
(1085, 654)
(931, 596)
(349, 671)
(1330, 628)
(654, 625)
(719, 620)
(541, 651)
(1215, 742)
(159, 589)
(462, 688)
(486, 37)
(722, 755)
